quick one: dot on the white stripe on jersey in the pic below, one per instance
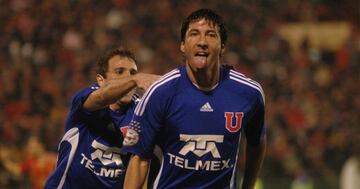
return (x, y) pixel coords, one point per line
(156, 182)
(140, 108)
(240, 75)
(146, 92)
(233, 176)
(71, 136)
(248, 82)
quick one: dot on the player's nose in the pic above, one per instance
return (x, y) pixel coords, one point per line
(202, 42)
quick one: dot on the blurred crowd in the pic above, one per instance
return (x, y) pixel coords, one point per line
(49, 48)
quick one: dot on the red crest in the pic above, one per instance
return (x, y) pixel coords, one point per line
(124, 130)
(229, 120)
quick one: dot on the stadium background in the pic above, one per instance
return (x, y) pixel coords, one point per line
(305, 53)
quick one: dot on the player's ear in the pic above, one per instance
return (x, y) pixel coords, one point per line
(100, 79)
(182, 47)
(222, 50)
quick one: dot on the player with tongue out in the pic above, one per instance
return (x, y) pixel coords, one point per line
(196, 114)
(202, 49)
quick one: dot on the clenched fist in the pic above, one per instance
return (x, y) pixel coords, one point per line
(144, 80)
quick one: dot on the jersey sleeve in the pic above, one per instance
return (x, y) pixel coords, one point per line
(79, 100)
(77, 111)
(146, 124)
(255, 129)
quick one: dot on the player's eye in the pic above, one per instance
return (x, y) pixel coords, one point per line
(193, 33)
(133, 72)
(119, 70)
(212, 34)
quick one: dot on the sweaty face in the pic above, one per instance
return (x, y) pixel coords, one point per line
(202, 44)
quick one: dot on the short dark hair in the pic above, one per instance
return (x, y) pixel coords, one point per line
(103, 62)
(208, 15)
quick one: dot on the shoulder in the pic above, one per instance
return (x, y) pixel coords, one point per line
(160, 90)
(80, 96)
(246, 84)
(165, 84)
(86, 91)
(166, 81)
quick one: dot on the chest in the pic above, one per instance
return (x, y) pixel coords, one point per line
(214, 113)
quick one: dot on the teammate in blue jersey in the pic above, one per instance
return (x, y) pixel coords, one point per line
(196, 114)
(89, 153)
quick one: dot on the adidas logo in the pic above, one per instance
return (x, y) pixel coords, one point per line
(206, 108)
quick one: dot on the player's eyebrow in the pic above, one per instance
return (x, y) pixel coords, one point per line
(193, 30)
(119, 69)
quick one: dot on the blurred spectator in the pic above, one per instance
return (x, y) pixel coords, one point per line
(48, 47)
(302, 180)
(37, 164)
(350, 172)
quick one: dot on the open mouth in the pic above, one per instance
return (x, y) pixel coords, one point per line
(200, 58)
(202, 54)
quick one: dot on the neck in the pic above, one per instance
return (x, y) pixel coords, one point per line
(206, 78)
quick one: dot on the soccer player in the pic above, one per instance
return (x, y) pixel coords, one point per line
(89, 152)
(195, 114)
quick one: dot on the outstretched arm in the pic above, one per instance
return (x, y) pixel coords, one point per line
(114, 89)
(136, 172)
(254, 158)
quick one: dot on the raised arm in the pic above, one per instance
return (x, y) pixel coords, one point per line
(136, 172)
(114, 89)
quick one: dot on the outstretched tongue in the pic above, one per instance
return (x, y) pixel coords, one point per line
(200, 58)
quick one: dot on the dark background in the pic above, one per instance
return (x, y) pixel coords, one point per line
(305, 53)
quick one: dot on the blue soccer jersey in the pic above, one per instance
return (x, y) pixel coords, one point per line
(89, 153)
(198, 132)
